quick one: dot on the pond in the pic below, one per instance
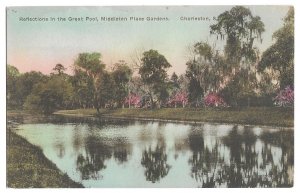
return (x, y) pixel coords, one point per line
(115, 153)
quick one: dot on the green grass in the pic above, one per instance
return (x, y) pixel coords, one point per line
(254, 115)
(28, 167)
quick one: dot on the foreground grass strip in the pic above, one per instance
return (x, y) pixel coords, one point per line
(27, 167)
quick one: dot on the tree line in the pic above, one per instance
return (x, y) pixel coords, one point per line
(238, 75)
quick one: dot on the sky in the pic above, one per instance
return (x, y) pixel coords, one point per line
(40, 45)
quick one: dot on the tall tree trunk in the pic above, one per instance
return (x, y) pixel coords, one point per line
(151, 100)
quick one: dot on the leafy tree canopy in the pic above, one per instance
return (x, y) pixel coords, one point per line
(280, 56)
(59, 68)
(153, 69)
(239, 28)
(90, 63)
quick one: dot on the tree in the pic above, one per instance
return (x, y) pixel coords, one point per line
(183, 82)
(121, 75)
(12, 71)
(162, 92)
(153, 72)
(46, 97)
(59, 68)
(175, 81)
(280, 56)
(240, 29)
(93, 67)
(83, 90)
(107, 89)
(206, 67)
(268, 82)
(25, 84)
(11, 94)
(239, 90)
(195, 91)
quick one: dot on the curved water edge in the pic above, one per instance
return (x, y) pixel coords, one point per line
(169, 120)
(28, 167)
(130, 153)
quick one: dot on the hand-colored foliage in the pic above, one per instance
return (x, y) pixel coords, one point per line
(133, 100)
(285, 97)
(280, 55)
(153, 72)
(180, 97)
(214, 100)
(234, 72)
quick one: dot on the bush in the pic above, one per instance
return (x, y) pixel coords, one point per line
(214, 100)
(285, 97)
(180, 97)
(133, 99)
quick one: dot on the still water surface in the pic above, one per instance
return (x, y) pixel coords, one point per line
(103, 153)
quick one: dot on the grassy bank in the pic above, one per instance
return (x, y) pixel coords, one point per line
(28, 167)
(254, 115)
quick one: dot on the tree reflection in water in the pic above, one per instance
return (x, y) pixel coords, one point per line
(203, 161)
(204, 155)
(155, 163)
(283, 172)
(251, 159)
(96, 153)
(60, 149)
(98, 150)
(243, 168)
(121, 152)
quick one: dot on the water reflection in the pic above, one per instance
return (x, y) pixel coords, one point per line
(254, 161)
(96, 153)
(279, 154)
(203, 160)
(106, 153)
(60, 149)
(155, 163)
(121, 154)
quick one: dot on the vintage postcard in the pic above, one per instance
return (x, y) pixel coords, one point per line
(150, 96)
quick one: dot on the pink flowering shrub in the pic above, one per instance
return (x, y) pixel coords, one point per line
(180, 97)
(133, 100)
(285, 97)
(214, 100)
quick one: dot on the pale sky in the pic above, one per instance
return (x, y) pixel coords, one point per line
(40, 45)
